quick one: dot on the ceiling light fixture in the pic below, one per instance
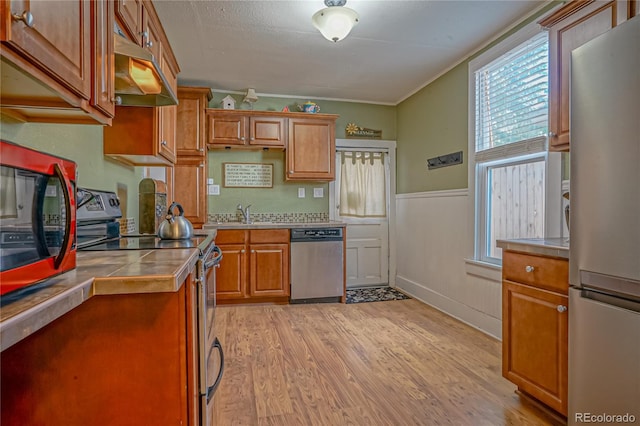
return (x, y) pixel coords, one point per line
(335, 21)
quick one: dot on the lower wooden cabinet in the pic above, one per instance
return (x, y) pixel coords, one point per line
(127, 359)
(254, 267)
(535, 326)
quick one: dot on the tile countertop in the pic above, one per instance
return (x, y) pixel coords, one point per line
(272, 225)
(558, 247)
(97, 273)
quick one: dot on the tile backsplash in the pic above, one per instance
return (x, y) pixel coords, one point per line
(270, 217)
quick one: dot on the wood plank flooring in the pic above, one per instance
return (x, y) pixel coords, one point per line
(382, 363)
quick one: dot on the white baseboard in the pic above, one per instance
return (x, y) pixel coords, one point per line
(472, 317)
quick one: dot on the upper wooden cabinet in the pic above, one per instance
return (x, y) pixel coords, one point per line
(129, 14)
(571, 26)
(190, 139)
(241, 128)
(53, 72)
(145, 135)
(535, 326)
(311, 149)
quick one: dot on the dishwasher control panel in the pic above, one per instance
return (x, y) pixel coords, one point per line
(316, 234)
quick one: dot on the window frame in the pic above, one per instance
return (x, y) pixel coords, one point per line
(523, 151)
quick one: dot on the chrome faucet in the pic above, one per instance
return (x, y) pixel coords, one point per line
(246, 215)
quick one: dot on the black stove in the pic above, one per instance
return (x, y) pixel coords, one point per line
(144, 242)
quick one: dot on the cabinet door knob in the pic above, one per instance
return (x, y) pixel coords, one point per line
(242, 138)
(201, 150)
(561, 308)
(117, 100)
(253, 251)
(201, 165)
(149, 44)
(253, 139)
(529, 268)
(290, 172)
(144, 34)
(242, 251)
(552, 135)
(26, 17)
(164, 143)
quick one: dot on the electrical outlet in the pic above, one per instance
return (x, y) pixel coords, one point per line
(301, 193)
(210, 181)
(318, 192)
(213, 189)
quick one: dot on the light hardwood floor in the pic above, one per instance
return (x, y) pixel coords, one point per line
(382, 363)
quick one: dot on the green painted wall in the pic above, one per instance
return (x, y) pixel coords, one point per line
(283, 197)
(82, 144)
(434, 121)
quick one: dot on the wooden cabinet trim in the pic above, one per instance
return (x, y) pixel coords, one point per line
(269, 236)
(547, 273)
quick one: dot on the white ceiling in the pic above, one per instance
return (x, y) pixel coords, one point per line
(271, 45)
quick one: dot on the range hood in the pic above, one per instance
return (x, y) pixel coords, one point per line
(139, 81)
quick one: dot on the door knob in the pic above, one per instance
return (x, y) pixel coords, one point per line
(529, 268)
(561, 308)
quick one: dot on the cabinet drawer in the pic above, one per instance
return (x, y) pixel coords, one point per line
(269, 236)
(539, 271)
(230, 236)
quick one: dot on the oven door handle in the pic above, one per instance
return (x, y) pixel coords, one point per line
(70, 215)
(215, 260)
(212, 389)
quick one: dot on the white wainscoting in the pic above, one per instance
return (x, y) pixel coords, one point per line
(432, 239)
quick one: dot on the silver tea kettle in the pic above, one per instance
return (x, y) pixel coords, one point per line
(175, 227)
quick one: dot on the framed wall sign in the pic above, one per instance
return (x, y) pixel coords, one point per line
(247, 175)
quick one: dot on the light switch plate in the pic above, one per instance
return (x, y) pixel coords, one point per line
(213, 189)
(301, 193)
(318, 192)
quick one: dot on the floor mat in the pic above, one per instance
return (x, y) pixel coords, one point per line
(378, 294)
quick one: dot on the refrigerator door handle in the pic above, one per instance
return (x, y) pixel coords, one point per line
(617, 287)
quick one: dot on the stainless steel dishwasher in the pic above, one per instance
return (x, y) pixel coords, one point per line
(317, 265)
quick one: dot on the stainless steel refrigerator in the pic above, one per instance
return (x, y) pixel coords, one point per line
(604, 254)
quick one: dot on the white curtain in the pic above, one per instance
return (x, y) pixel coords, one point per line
(362, 184)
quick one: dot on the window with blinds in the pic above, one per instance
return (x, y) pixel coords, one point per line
(510, 93)
(512, 96)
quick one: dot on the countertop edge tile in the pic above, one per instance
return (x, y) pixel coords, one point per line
(27, 315)
(25, 323)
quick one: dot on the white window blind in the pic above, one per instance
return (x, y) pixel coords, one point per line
(512, 96)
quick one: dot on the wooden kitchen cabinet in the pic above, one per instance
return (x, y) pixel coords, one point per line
(535, 326)
(192, 104)
(190, 183)
(311, 149)
(190, 169)
(129, 14)
(571, 26)
(146, 135)
(254, 267)
(58, 60)
(241, 128)
(124, 359)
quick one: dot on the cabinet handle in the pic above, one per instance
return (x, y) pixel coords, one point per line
(117, 100)
(201, 150)
(529, 268)
(552, 135)
(242, 251)
(201, 165)
(253, 139)
(253, 251)
(164, 143)
(290, 172)
(561, 308)
(242, 138)
(149, 44)
(144, 34)
(26, 17)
